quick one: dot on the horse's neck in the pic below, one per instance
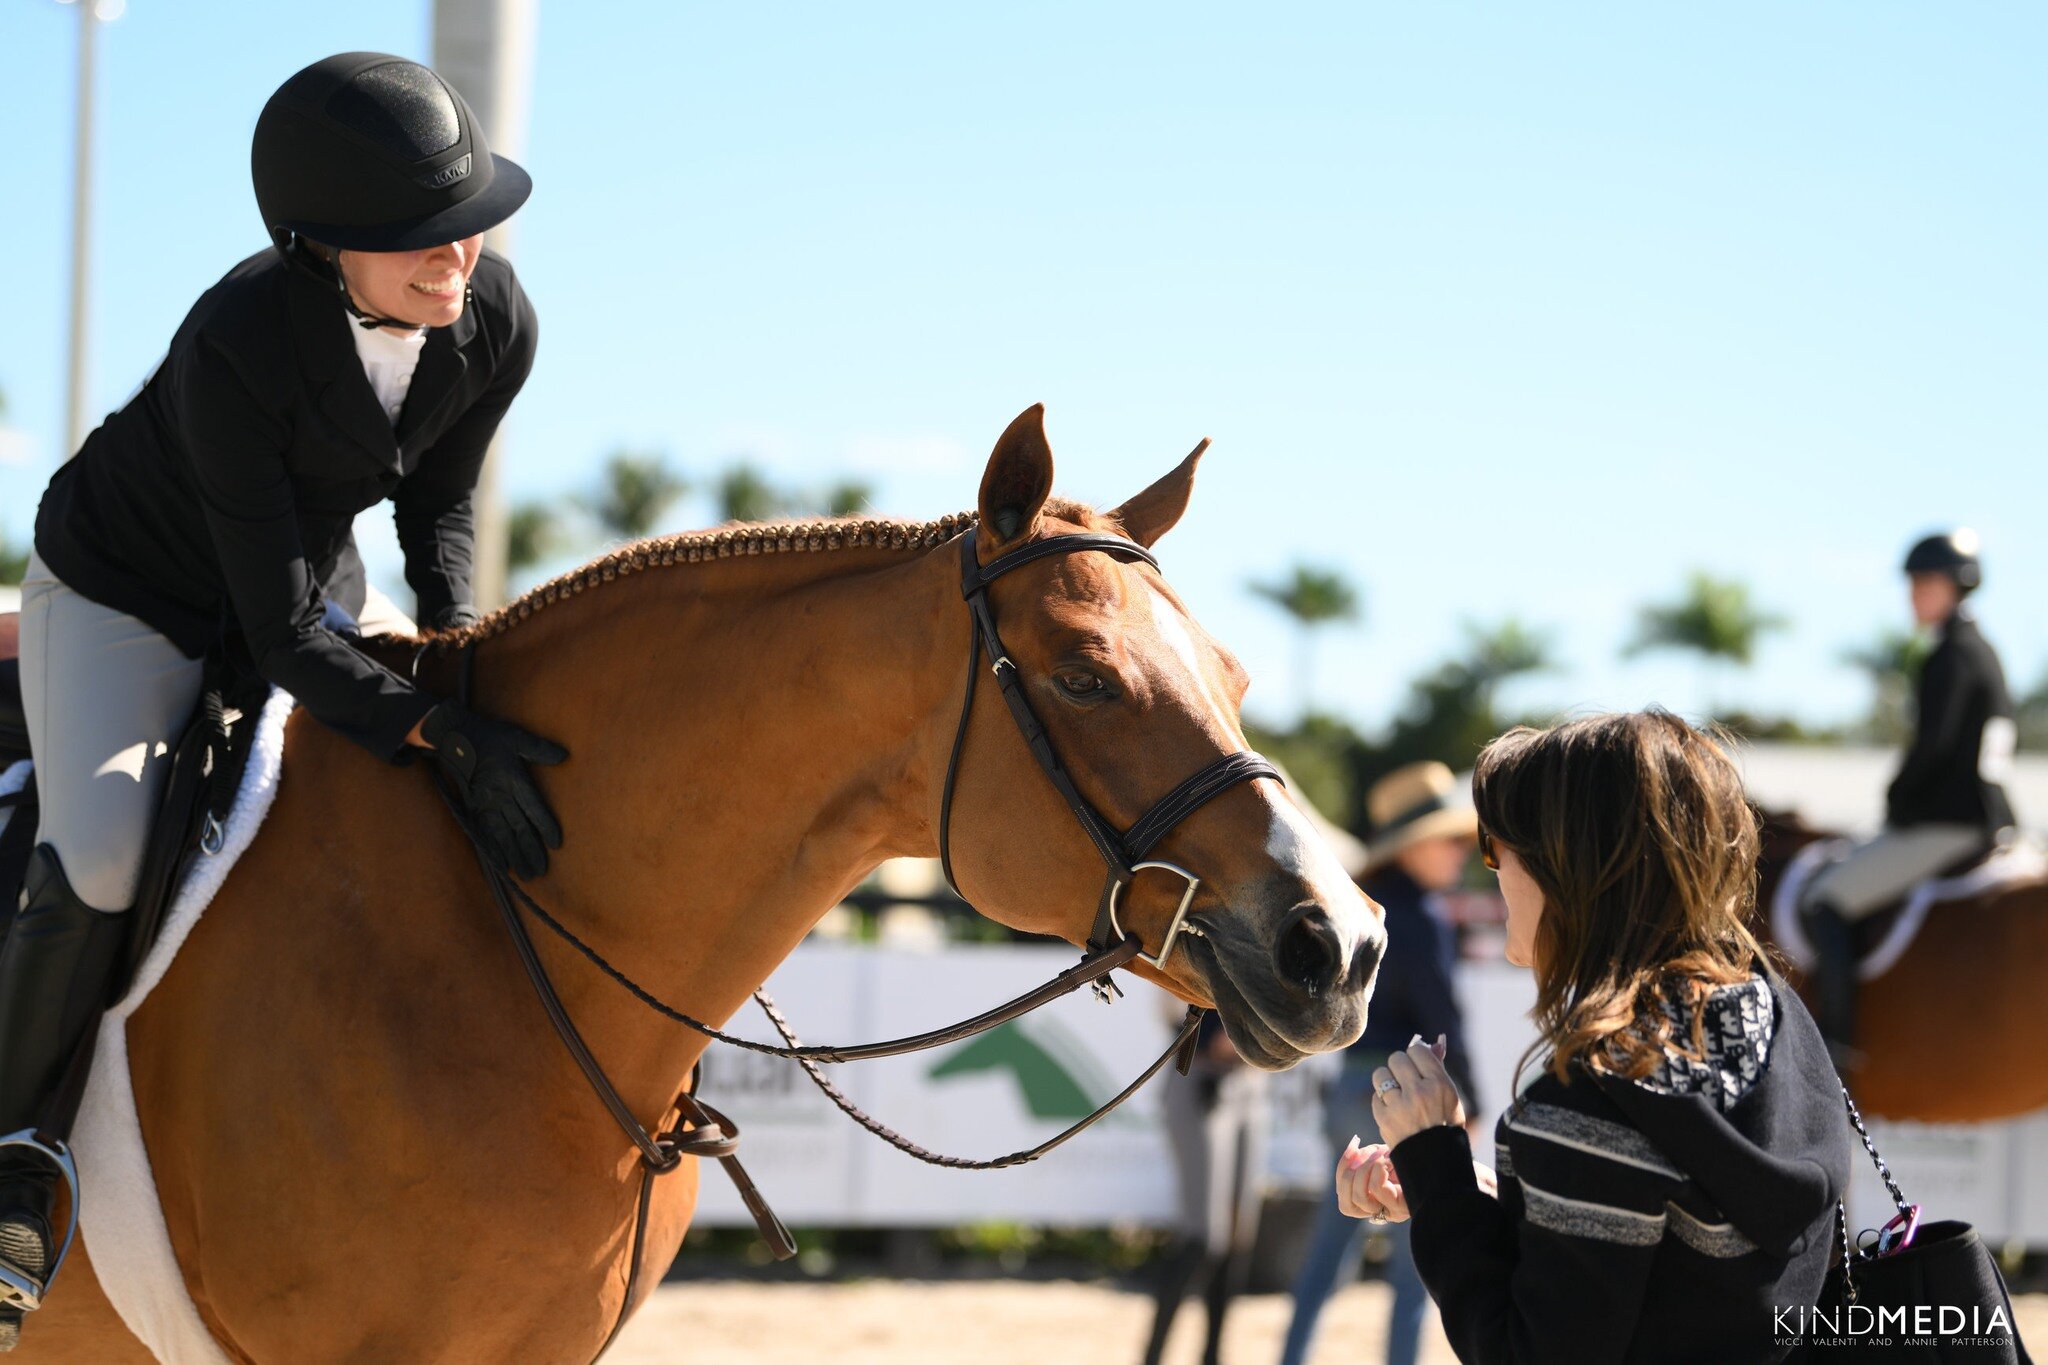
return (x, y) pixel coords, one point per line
(747, 741)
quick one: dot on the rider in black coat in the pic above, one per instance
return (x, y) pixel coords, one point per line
(219, 501)
(1961, 693)
(225, 491)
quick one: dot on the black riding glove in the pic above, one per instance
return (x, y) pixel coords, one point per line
(455, 617)
(487, 759)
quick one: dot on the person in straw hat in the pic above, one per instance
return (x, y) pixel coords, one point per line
(1422, 838)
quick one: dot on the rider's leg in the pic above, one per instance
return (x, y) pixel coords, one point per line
(105, 696)
(1873, 876)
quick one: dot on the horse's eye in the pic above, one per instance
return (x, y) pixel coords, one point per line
(1081, 685)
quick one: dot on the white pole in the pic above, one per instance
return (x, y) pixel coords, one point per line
(75, 421)
(484, 48)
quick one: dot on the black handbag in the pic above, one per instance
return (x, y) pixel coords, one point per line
(1920, 1292)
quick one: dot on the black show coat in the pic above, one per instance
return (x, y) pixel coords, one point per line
(222, 495)
(1960, 692)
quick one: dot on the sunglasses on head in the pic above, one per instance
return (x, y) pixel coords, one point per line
(1486, 852)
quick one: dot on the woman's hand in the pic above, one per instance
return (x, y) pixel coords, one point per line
(1366, 1185)
(1422, 1094)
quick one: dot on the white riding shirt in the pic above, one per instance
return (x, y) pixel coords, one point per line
(389, 358)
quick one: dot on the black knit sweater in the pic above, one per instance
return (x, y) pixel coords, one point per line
(1664, 1220)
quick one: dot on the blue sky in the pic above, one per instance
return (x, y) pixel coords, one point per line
(1513, 311)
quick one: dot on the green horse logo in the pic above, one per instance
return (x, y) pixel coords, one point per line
(1057, 1077)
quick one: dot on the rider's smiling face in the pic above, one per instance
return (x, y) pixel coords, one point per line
(424, 288)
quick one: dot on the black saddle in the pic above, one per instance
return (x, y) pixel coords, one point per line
(206, 771)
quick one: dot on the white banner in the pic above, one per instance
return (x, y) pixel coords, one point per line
(1011, 1088)
(1017, 1085)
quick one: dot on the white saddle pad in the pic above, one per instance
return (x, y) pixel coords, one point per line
(2016, 862)
(120, 1217)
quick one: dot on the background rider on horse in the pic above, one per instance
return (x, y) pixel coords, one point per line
(1946, 807)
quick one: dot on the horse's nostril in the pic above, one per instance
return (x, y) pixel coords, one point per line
(1308, 954)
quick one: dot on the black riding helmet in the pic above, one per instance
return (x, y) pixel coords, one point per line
(1951, 552)
(368, 152)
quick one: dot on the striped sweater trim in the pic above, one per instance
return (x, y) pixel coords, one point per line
(1604, 1223)
(1722, 1241)
(1596, 1222)
(1595, 1136)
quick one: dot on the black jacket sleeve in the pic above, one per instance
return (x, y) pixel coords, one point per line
(434, 505)
(1515, 1290)
(1940, 743)
(235, 442)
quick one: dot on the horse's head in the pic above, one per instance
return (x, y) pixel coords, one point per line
(1136, 697)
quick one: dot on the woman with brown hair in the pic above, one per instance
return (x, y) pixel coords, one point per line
(1667, 1181)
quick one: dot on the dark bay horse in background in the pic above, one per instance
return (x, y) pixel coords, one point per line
(368, 1141)
(1955, 1031)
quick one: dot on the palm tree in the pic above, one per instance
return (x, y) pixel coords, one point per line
(1714, 618)
(1891, 659)
(636, 488)
(1314, 598)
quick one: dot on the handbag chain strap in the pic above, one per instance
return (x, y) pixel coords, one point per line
(1884, 1172)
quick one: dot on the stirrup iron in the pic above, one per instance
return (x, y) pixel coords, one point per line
(17, 1288)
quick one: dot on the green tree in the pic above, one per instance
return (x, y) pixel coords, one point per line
(848, 497)
(1449, 714)
(1891, 659)
(1313, 598)
(533, 532)
(744, 494)
(1715, 618)
(1452, 711)
(13, 560)
(634, 490)
(2033, 709)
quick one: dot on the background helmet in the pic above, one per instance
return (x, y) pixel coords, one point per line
(1951, 552)
(369, 152)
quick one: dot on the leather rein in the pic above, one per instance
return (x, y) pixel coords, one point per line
(1109, 945)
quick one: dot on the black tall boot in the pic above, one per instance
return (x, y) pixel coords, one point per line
(56, 968)
(1834, 979)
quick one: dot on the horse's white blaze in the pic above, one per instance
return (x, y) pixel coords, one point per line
(1294, 843)
(1291, 841)
(1173, 629)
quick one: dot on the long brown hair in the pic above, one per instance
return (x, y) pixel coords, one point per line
(1636, 828)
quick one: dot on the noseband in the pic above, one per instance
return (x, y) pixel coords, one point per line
(1122, 854)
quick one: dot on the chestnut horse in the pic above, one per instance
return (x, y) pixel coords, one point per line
(1952, 1032)
(370, 1145)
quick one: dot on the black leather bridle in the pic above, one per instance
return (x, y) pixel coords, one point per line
(1123, 854)
(1109, 944)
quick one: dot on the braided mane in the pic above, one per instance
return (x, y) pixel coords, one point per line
(695, 547)
(732, 542)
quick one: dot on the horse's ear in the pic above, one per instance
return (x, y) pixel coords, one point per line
(1018, 479)
(1152, 513)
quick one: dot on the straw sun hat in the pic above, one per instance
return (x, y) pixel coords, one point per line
(1408, 805)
